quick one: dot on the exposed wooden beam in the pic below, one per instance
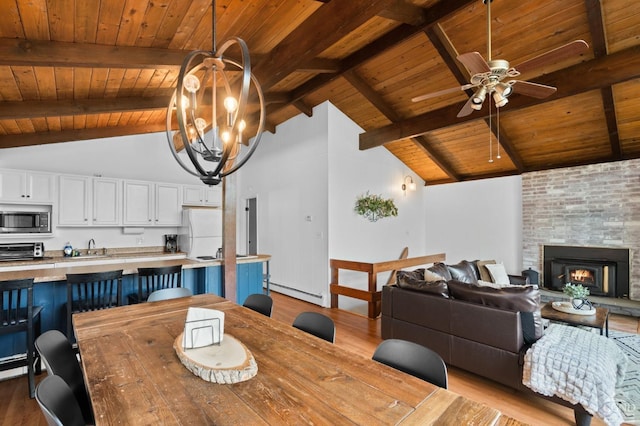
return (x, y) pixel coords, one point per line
(378, 102)
(326, 26)
(595, 74)
(303, 108)
(12, 110)
(423, 143)
(371, 95)
(61, 54)
(320, 65)
(405, 12)
(43, 138)
(599, 45)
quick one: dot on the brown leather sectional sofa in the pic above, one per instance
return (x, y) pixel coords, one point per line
(483, 330)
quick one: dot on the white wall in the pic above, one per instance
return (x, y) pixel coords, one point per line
(476, 220)
(306, 179)
(142, 157)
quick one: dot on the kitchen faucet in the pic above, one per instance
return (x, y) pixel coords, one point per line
(89, 248)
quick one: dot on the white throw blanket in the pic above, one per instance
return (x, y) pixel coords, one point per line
(578, 366)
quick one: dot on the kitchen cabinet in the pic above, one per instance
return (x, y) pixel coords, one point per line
(73, 201)
(26, 187)
(107, 202)
(87, 201)
(151, 204)
(202, 195)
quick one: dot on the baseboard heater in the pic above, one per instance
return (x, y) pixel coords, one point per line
(317, 296)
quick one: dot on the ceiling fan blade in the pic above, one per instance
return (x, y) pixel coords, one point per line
(441, 92)
(576, 47)
(466, 109)
(474, 62)
(534, 90)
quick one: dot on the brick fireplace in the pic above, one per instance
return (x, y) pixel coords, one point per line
(595, 206)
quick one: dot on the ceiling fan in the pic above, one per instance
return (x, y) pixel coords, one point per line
(487, 76)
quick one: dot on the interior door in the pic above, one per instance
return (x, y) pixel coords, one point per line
(252, 226)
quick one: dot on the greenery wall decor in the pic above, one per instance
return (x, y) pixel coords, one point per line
(374, 207)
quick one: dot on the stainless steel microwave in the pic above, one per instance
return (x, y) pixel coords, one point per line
(25, 222)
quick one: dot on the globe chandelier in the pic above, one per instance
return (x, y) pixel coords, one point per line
(210, 107)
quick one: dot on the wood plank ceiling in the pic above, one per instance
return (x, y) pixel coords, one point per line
(74, 70)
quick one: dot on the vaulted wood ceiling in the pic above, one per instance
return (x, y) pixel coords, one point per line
(76, 69)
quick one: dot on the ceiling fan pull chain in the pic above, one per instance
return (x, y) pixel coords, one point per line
(490, 133)
(498, 131)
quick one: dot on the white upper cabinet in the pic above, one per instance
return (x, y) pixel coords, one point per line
(87, 201)
(168, 210)
(138, 203)
(202, 195)
(26, 187)
(151, 204)
(74, 207)
(107, 205)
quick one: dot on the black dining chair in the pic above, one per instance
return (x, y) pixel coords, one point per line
(169, 293)
(60, 360)
(260, 303)
(152, 279)
(19, 315)
(92, 292)
(57, 403)
(317, 324)
(414, 359)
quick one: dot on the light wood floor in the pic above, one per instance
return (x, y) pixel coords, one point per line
(360, 335)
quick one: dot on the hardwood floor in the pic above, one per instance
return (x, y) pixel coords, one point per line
(360, 335)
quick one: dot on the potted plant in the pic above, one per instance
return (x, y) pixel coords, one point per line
(374, 207)
(578, 295)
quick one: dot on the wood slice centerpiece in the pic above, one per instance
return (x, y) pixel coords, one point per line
(226, 363)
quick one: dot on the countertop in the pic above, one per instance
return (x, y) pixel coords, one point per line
(55, 268)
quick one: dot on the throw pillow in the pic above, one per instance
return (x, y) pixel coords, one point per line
(432, 276)
(413, 281)
(463, 272)
(482, 269)
(498, 273)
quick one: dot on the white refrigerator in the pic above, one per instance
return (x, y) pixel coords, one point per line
(201, 234)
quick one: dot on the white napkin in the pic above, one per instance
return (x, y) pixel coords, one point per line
(203, 327)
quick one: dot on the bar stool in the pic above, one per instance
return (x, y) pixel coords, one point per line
(91, 292)
(152, 279)
(18, 315)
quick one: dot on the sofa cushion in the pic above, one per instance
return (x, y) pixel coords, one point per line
(441, 269)
(498, 273)
(523, 299)
(463, 271)
(482, 269)
(413, 280)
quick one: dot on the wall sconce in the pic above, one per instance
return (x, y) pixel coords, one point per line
(410, 185)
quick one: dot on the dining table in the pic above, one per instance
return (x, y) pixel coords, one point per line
(134, 376)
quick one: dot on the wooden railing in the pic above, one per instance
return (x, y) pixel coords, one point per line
(372, 296)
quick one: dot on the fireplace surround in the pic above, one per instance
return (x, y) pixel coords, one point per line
(603, 270)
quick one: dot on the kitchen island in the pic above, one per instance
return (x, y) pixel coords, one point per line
(50, 281)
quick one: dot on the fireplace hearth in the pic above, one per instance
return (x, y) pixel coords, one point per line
(604, 271)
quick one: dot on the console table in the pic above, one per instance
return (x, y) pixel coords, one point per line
(372, 295)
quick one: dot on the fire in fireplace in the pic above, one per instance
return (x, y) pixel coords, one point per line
(604, 271)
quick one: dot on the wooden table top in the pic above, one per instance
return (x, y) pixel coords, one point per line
(597, 320)
(134, 376)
